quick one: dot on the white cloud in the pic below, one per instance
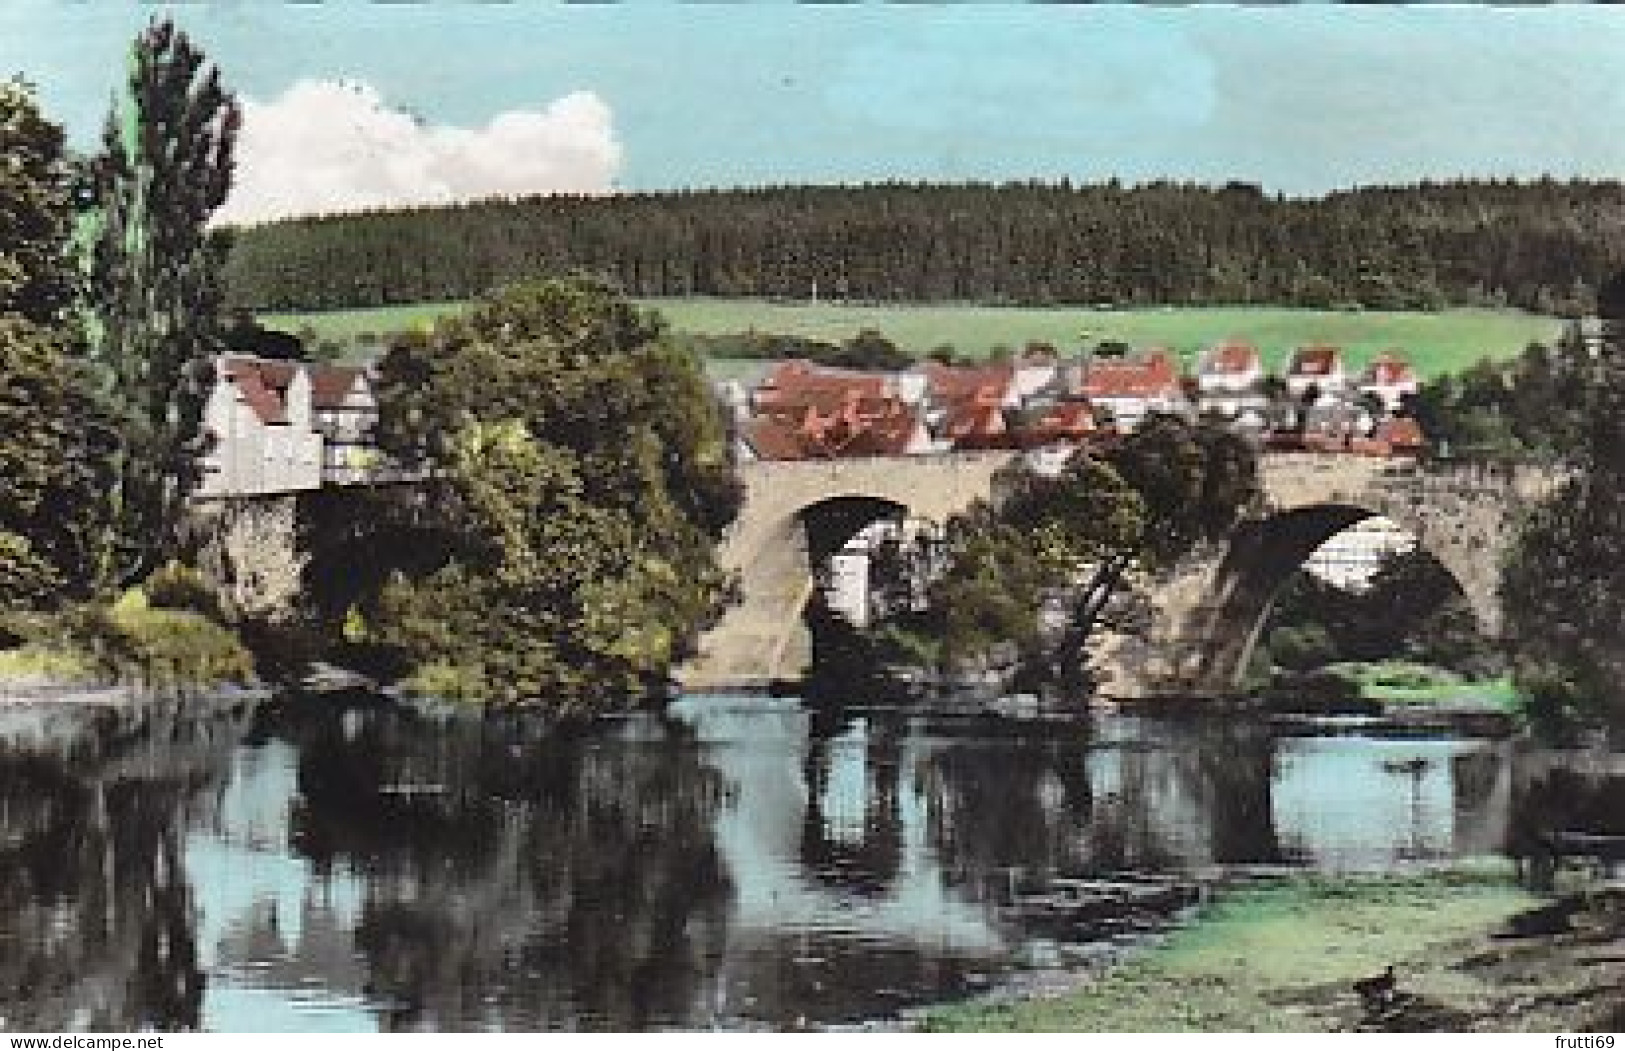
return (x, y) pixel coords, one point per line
(326, 147)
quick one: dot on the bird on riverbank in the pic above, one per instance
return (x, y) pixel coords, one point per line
(1378, 990)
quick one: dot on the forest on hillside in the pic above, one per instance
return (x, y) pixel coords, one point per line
(1541, 246)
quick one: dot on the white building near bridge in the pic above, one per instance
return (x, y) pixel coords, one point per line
(286, 427)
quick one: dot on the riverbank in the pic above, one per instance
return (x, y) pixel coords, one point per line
(1283, 956)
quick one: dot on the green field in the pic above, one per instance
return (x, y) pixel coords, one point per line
(1435, 342)
(1402, 682)
(344, 326)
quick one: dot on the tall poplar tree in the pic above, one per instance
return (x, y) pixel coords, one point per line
(165, 166)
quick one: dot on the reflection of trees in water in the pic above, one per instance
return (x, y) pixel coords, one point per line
(1229, 766)
(96, 917)
(1001, 796)
(1006, 797)
(517, 877)
(868, 866)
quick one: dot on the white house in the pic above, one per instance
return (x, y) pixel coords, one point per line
(258, 423)
(346, 415)
(284, 426)
(1230, 379)
(1130, 389)
(1316, 366)
(1390, 378)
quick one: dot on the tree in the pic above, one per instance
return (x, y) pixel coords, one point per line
(1195, 480)
(54, 443)
(1072, 543)
(580, 483)
(36, 211)
(1563, 590)
(155, 290)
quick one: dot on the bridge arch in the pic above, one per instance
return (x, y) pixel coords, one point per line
(1263, 555)
(795, 515)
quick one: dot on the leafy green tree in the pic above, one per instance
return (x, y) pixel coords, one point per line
(36, 211)
(1077, 539)
(155, 289)
(1564, 588)
(581, 478)
(870, 349)
(54, 447)
(1195, 481)
(1411, 608)
(1532, 406)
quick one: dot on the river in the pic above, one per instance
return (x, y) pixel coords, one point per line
(733, 863)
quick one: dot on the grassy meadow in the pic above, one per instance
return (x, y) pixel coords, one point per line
(1279, 957)
(1447, 341)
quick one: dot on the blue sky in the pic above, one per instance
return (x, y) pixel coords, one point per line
(1301, 99)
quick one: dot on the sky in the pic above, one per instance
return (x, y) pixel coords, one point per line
(353, 103)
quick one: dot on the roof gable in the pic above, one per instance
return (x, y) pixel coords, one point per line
(1316, 361)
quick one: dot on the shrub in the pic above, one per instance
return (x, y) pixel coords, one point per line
(162, 649)
(177, 586)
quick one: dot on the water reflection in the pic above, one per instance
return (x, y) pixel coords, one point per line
(733, 863)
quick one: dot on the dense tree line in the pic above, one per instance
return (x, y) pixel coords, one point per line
(1539, 246)
(1533, 406)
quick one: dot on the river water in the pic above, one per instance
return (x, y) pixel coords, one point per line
(734, 863)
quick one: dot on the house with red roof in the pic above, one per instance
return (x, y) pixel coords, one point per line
(344, 411)
(792, 383)
(276, 426)
(1319, 366)
(1401, 436)
(1131, 388)
(802, 411)
(260, 431)
(1230, 379)
(1390, 378)
(1068, 423)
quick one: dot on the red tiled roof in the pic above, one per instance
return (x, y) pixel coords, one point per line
(276, 374)
(1152, 375)
(1314, 361)
(1389, 370)
(249, 376)
(890, 436)
(967, 420)
(773, 439)
(1066, 417)
(1230, 359)
(983, 384)
(793, 382)
(1401, 432)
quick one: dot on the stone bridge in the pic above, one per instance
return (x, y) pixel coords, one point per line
(1206, 613)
